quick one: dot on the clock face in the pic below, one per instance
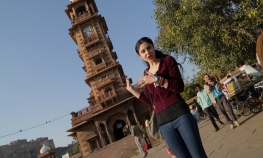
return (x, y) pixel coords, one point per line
(87, 30)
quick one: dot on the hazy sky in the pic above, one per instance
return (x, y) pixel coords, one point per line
(41, 76)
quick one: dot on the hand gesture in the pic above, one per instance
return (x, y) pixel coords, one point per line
(144, 80)
(128, 83)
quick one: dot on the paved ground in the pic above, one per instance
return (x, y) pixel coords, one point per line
(245, 141)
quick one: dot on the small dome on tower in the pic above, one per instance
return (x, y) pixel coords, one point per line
(44, 148)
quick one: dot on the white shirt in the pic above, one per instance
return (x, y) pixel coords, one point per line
(251, 71)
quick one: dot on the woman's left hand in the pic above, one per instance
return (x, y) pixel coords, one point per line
(144, 80)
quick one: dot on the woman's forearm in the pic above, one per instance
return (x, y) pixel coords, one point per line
(134, 92)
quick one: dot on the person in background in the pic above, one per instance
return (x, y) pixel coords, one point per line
(163, 83)
(198, 109)
(194, 113)
(213, 89)
(126, 130)
(259, 46)
(144, 135)
(257, 66)
(208, 107)
(136, 132)
(251, 72)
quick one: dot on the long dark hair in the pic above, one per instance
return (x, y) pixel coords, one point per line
(158, 54)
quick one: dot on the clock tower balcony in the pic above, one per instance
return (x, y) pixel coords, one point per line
(91, 40)
(95, 53)
(82, 17)
(100, 68)
(103, 98)
(104, 81)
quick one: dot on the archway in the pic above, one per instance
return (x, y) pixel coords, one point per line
(117, 127)
(98, 61)
(80, 10)
(104, 134)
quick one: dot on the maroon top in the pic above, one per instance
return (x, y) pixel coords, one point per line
(162, 97)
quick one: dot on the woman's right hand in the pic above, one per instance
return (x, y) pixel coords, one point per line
(128, 84)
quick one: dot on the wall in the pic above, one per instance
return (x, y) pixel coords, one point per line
(123, 148)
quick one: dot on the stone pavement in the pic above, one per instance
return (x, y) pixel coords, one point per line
(245, 141)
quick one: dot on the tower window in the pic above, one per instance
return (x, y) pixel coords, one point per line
(98, 61)
(93, 144)
(81, 10)
(107, 90)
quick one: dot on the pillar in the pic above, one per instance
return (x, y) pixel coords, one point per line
(99, 131)
(108, 133)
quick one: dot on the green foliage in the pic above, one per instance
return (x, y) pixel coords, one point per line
(214, 34)
(189, 91)
(190, 84)
(62, 150)
(74, 150)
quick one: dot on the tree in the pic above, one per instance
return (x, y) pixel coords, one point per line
(190, 85)
(214, 34)
(75, 149)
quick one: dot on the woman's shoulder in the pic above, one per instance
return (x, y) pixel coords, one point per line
(169, 60)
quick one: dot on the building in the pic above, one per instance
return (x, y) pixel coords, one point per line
(46, 152)
(111, 107)
(24, 149)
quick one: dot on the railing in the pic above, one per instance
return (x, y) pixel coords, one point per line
(90, 39)
(83, 52)
(81, 115)
(81, 17)
(104, 81)
(94, 53)
(97, 69)
(96, 108)
(101, 65)
(105, 97)
(95, 105)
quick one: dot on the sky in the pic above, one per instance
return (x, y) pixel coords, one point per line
(41, 75)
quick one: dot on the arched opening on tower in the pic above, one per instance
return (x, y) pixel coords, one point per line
(98, 61)
(117, 127)
(104, 134)
(131, 116)
(80, 10)
(107, 90)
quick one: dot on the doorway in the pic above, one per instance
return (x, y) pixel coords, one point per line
(118, 129)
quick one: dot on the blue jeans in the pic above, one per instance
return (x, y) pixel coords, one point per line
(183, 138)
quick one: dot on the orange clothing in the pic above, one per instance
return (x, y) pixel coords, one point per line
(259, 48)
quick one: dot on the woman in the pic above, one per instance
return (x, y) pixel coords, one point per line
(163, 80)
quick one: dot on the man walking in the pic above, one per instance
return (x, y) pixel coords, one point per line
(213, 89)
(207, 106)
(199, 109)
(136, 132)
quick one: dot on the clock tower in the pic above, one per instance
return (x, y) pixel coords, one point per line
(90, 32)
(111, 108)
